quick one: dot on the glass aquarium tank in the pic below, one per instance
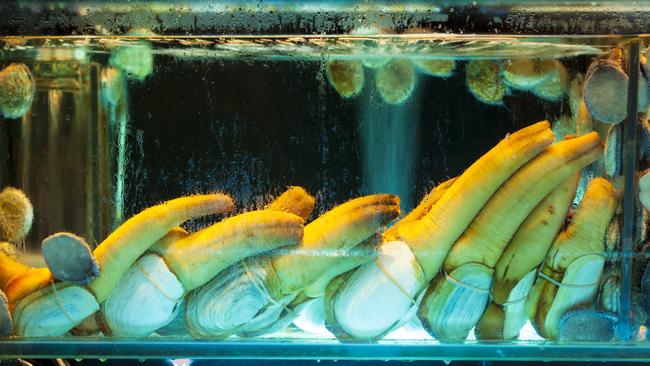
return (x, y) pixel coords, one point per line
(324, 180)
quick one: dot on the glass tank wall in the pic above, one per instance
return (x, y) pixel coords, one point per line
(344, 181)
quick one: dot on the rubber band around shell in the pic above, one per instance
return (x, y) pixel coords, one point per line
(60, 303)
(332, 325)
(512, 302)
(148, 278)
(568, 285)
(411, 312)
(460, 283)
(254, 280)
(457, 282)
(543, 275)
(394, 281)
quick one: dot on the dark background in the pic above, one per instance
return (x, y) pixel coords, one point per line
(251, 128)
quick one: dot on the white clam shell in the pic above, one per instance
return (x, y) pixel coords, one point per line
(312, 317)
(644, 191)
(235, 301)
(53, 311)
(370, 303)
(515, 307)
(274, 318)
(5, 316)
(144, 300)
(583, 276)
(457, 302)
(176, 327)
(610, 291)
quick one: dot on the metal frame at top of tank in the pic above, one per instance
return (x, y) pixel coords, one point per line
(191, 17)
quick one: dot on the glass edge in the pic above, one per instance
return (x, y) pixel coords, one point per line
(319, 351)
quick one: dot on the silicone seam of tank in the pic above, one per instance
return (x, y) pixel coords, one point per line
(629, 172)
